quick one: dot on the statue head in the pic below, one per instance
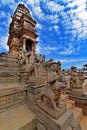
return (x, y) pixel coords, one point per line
(53, 66)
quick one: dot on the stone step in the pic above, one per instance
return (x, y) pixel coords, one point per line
(11, 94)
(8, 58)
(78, 113)
(18, 118)
(9, 78)
(8, 64)
(83, 123)
(11, 88)
(9, 69)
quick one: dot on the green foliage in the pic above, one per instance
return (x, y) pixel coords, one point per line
(19, 79)
(26, 88)
(22, 102)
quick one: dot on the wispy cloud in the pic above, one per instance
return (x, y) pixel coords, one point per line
(35, 4)
(68, 50)
(39, 26)
(61, 26)
(3, 42)
(52, 18)
(54, 7)
(78, 62)
(7, 1)
(72, 60)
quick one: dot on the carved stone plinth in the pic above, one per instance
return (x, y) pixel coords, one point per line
(80, 99)
(51, 112)
(65, 122)
(10, 96)
(33, 95)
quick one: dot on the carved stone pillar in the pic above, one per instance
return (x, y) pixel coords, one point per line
(24, 44)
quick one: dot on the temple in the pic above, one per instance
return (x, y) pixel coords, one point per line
(35, 93)
(22, 32)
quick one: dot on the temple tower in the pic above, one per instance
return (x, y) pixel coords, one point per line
(22, 31)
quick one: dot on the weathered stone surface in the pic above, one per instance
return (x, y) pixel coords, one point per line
(63, 122)
(22, 76)
(52, 112)
(11, 95)
(18, 118)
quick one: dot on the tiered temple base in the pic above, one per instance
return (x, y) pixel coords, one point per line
(80, 100)
(77, 111)
(19, 117)
(65, 121)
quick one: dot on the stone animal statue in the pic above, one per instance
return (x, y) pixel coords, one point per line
(52, 95)
(84, 85)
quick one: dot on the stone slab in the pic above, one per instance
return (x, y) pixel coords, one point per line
(60, 124)
(18, 118)
(50, 111)
(40, 126)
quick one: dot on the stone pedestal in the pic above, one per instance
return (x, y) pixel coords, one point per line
(33, 95)
(49, 110)
(11, 95)
(65, 121)
(80, 99)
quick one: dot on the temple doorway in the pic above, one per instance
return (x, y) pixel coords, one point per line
(29, 44)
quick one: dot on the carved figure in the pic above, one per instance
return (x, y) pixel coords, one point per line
(23, 56)
(51, 94)
(76, 80)
(73, 80)
(84, 85)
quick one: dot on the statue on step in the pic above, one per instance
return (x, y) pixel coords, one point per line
(76, 79)
(52, 92)
(73, 80)
(23, 56)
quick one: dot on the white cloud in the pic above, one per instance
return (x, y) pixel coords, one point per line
(70, 49)
(72, 60)
(39, 26)
(50, 48)
(54, 7)
(33, 2)
(3, 42)
(38, 49)
(7, 1)
(52, 18)
(2, 14)
(75, 20)
(38, 12)
(78, 62)
(44, 49)
(56, 27)
(76, 3)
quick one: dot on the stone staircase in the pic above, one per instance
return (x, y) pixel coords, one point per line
(77, 111)
(14, 112)
(20, 117)
(9, 69)
(43, 72)
(12, 90)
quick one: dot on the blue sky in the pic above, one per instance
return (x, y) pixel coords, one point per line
(61, 26)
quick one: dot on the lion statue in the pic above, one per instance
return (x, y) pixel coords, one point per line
(52, 95)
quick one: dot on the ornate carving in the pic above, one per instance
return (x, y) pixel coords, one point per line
(23, 56)
(52, 92)
(76, 79)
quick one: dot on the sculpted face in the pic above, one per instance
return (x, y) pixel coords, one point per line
(53, 67)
